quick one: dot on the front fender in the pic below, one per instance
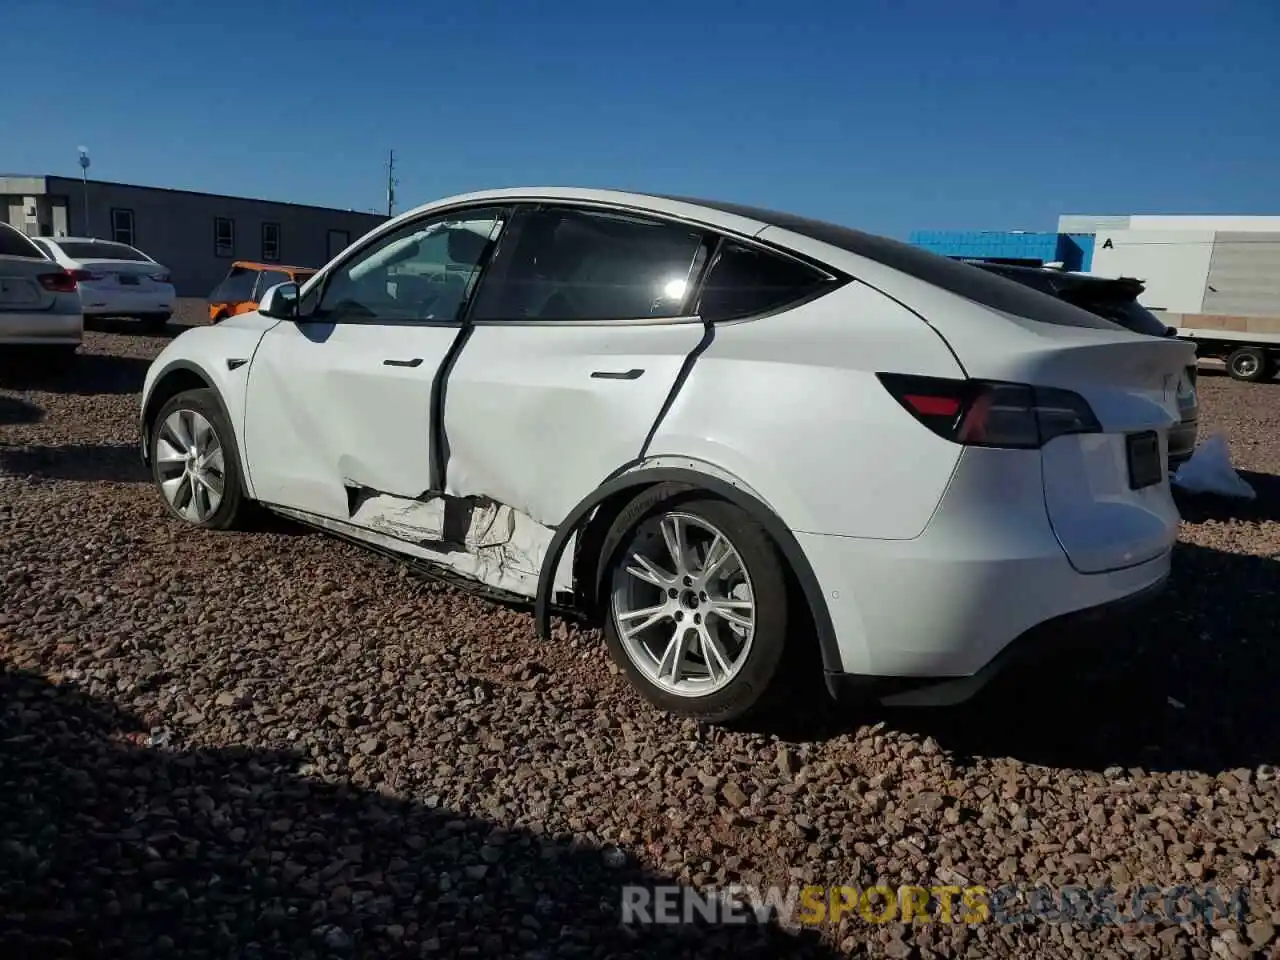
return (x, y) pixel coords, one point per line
(219, 356)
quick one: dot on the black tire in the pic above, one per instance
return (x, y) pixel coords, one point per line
(234, 509)
(758, 677)
(155, 322)
(1249, 364)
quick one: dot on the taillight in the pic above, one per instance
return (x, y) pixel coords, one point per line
(60, 282)
(82, 275)
(983, 413)
(160, 277)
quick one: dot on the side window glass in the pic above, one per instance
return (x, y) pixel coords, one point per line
(745, 281)
(269, 279)
(236, 287)
(589, 265)
(424, 271)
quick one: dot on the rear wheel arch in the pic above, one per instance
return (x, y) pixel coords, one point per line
(594, 517)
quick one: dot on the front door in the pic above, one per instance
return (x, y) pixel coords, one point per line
(339, 402)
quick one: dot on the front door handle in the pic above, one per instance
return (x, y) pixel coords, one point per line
(632, 374)
(415, 362)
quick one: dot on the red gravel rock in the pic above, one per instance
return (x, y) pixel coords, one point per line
(273, 744)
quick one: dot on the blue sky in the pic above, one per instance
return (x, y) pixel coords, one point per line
(889, 116)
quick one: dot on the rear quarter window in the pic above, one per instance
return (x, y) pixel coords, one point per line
(745, 281)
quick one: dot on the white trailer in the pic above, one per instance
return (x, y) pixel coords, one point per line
(1249, 356)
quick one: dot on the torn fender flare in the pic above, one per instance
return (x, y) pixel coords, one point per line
(786, 541)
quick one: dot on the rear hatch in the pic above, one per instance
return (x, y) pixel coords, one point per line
(1117, 300)
(1106, 492)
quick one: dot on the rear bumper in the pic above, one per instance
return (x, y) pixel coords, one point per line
(1064, 639)
(1182, 440)
(106, 303)
(35, 329)
(988, 570)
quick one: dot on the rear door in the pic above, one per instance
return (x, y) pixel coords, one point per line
(339, 403)
(21, 266)
(577, 339)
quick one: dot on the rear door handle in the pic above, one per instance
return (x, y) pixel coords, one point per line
(415, 362)
(632, 374)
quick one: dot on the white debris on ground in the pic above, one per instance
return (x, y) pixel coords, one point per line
(1209, 470)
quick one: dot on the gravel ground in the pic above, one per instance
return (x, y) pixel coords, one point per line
(275, 745)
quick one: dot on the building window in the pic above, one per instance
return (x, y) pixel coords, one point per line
(339, 240)
(224, 237)
(122, 226)
(270, 243)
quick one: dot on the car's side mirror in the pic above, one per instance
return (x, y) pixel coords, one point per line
(280, 302)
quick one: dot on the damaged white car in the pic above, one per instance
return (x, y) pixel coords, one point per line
(729, 436)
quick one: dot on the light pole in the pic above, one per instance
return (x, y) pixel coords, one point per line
(84, 180)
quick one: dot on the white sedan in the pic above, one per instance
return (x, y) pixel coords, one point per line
(39, 301)
(727, 435)
(115, 279)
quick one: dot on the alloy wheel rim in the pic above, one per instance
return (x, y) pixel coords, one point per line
(191, 465)
(1246, 366)
(683, 605)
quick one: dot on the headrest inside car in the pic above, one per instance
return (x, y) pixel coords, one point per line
(466, 246)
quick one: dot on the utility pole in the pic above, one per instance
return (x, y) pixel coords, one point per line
(84, 182)
(391, 183)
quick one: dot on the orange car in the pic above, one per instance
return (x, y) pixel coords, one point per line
(242, 287)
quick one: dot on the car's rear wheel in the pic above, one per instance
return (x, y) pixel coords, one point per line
(1249, 364)
(696, 612)
(195, 464)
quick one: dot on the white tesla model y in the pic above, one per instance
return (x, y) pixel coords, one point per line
(727, 435)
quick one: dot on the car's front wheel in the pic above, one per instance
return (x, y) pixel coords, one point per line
(195, 464)
(697, 604)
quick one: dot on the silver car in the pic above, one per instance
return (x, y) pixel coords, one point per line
(39, 299)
